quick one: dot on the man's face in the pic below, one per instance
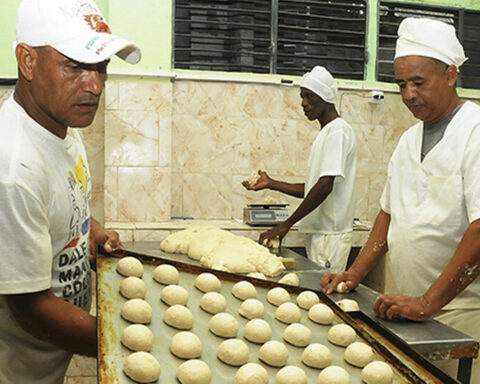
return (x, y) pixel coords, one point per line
(426, 86)
(66, 93)
(312, 104)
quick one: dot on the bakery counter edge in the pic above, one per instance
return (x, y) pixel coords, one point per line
(138, 231)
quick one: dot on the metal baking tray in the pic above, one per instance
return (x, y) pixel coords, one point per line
(408, 366)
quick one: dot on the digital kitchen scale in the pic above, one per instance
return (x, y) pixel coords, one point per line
(265, 214)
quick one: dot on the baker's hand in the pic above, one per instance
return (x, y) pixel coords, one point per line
(277, 232)
(329, 281)
(398, 306)
(101, 236)
(262, 182)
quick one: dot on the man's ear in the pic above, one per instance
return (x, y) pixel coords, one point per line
(26, 59)
(452, 74)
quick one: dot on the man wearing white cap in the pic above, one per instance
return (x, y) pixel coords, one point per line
(47, 234)
(327, 210)
(430, 208)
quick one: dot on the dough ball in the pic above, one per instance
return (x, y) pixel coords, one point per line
(174, 294)
(251, 373)
(213, 302)
(290, 279)
(208, 282)
(348, 305)
(137, 311)
(133, 288)
(377, 372)
(341, 287)
(186, 345)
(297, 334)
(178, 316)
(334, 375)
(253, 178)
(244, 290)
(358, 354)
(342, 335)
(273, 353)
(288, 313)
(166, 274)
(252, 309)
(257, 331)
(142, 367)
(130, 266)
(317, 356)
(233, 352)
(277, 296)
(321, 314)
(291, 375)
(223, 325)
(257, 275)
(194, 372)
(307, 299)
(137, 337)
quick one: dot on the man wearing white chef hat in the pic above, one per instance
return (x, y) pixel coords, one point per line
(47, 234)
(327, 210)
(430, 208)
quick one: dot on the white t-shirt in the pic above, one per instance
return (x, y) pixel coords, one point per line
(44, 231)
(333, 153)
(432, 203)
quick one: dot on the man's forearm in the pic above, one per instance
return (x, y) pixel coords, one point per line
(292, 189)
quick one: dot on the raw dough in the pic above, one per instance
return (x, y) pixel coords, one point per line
(203, 243)
(277, 296)
(233, 352)
(208, 282)
(273, 353)
(251, 309)
(307, 299)
(130, 266)
(358, 354)
(251, 373)
(166, 274)
(334, 375)
(178, 316)
(348, 305)
(174, 294)
(317, 356)
(253, 178)
(244, 290)
(257, 331)
(341, 287)
(342, 335)
(290, 279)
(194, 372)
(377, 372)
(179, 242)
(142, 367)
(133, 288)
(257, 275)
(137, 337)
(137, 311)
(291, 375)
(223, 325)
(321, 314)
(297, 334)
(288, 313)
(213, 302)
(186, 345)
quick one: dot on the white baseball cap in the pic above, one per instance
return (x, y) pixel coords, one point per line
(321, 82)
(75, 28)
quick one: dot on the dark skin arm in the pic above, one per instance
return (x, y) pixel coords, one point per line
(265, 182)
(464, 267)
(375, 248)
(314, 198)
(101, 236)
(55, 321)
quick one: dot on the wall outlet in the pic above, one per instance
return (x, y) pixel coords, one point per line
(375, 97)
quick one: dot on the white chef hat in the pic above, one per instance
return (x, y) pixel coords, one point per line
(321, 82)
(429, 38)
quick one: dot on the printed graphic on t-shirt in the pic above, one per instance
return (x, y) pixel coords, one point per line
(71, 269)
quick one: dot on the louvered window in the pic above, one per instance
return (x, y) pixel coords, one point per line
(467, 24)
(277, 36)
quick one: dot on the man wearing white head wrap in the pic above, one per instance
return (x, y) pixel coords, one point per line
(326, 213)
(430, 208)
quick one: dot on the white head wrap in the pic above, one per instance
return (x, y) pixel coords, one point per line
(429, 38)
(321, 82)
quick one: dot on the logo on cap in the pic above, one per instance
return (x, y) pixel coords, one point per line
(97, 23)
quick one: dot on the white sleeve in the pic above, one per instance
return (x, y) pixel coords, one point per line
(332, 157)
(471, 175)
(26, 260)
(385, 198)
